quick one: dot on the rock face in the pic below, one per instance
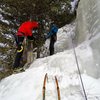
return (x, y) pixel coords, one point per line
(88, 29)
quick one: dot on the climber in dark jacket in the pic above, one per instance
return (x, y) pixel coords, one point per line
(52, 34)
(25, 30)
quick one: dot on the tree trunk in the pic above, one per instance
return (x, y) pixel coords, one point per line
(30, 52)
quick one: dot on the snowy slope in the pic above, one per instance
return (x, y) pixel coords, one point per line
(28, 85)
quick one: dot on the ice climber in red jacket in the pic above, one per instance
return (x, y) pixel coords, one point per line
(25, 30)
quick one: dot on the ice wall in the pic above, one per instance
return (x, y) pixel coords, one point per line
(88, 29)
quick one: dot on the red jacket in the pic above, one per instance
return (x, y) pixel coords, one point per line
(26, 28)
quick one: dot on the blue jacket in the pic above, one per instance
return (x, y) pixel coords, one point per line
(53, 30)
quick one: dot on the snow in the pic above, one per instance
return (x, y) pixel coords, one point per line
(73, 5)
(28, 85)
(2, 18)
(3, 45)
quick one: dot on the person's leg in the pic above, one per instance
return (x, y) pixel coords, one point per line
(19, 52)
(53, 39)
(51, 46)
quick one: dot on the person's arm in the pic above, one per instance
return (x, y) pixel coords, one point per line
(35, 25)
(34, 34)
(48, 35)
(30, 35)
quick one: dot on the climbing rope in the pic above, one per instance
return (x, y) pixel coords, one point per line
(78, 69)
